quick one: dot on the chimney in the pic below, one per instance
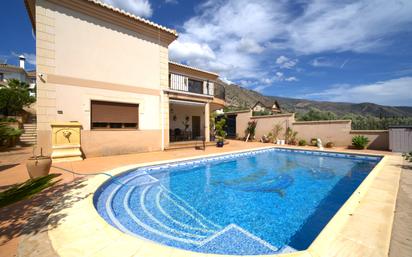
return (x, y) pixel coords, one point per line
(22, 59)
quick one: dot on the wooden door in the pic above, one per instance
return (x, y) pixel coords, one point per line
(195, 127)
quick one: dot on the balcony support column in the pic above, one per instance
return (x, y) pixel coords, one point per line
(207, 122)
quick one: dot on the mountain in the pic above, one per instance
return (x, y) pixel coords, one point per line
(240, 98)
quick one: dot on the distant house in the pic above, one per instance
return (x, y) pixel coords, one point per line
(8, 72)
(266, 108)
(259, 107)
(276, 107)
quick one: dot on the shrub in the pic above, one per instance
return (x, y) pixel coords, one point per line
(314, 141)
(14, 96)
(220, 129)
(360, 142)
(302, 142)
(6, 119)
(251, 129)
(290, 136)
(329, 145)
(9, 135)
(407, 156)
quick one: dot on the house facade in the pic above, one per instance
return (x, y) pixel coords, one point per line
(110, 71)
(8, 71)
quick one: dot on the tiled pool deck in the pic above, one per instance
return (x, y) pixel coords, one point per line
(362, 227)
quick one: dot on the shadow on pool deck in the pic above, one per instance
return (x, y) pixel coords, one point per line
(31, 216)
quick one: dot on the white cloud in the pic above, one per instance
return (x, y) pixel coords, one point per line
(389, 92)
(322, 62)
(241, 38)
(137, 7)
(30, 58)
(285, 62)
(249, 46)
(171, 1)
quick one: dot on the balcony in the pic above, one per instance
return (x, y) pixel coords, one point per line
(203, 87)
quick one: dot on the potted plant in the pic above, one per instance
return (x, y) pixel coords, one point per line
(360, 142)
(220, 141)
(329, 145)
(220, 132)
(38, 165)
(314, 141)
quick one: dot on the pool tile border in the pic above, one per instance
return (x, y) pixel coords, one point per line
(83, 232)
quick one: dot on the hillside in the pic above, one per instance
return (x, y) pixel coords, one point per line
(239, 97)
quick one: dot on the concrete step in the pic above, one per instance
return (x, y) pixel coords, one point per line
(189, 144)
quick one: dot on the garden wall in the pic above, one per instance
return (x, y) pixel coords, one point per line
(378, 139)
(266, 123)
(336, 131)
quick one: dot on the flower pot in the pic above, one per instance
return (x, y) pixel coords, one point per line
(38, 166)
(219, 144)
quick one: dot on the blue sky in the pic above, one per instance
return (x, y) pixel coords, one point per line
(350, 51)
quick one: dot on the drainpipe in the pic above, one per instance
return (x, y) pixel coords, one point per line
(162, 114)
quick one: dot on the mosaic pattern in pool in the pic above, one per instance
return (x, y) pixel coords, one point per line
(258, 202)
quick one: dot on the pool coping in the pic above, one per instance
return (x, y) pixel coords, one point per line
(80, 231)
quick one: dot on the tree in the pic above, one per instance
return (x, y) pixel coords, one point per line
(14, 96)
(316, 114)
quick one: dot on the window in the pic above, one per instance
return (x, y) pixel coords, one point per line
(110, 115)
(195, 86)
(1, 77)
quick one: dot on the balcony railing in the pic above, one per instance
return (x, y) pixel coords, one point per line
(220, 91)
(182, 83)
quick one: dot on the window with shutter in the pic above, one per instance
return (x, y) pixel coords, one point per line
(111, 115)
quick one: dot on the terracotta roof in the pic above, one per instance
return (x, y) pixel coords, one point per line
(172, 31)
(192, 68)
(11, 67)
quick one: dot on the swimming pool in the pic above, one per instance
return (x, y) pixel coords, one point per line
(257, 202)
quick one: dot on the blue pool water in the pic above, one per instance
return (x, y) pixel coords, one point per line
(259, 202)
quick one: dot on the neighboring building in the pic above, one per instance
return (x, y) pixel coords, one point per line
(259, 107)
(110, 71)
(31, 76)
(8, 71)
(276, 107)
(266, 108)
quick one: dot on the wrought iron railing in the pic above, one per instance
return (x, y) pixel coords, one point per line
(220, 91)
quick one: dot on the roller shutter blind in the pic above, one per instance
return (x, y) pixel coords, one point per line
(111, 112)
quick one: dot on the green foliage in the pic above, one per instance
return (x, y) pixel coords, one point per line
(261, 113)
(251, 128)
(316, 114)
(302, 142)
(314, 141)
(329, 145)
(290, 136)
(6, 119)
(9, 135)
(14, 96)
(26, 189)
(220, 129)
(360, 142)
(408, 156)
(276, 131)
(359, 122)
